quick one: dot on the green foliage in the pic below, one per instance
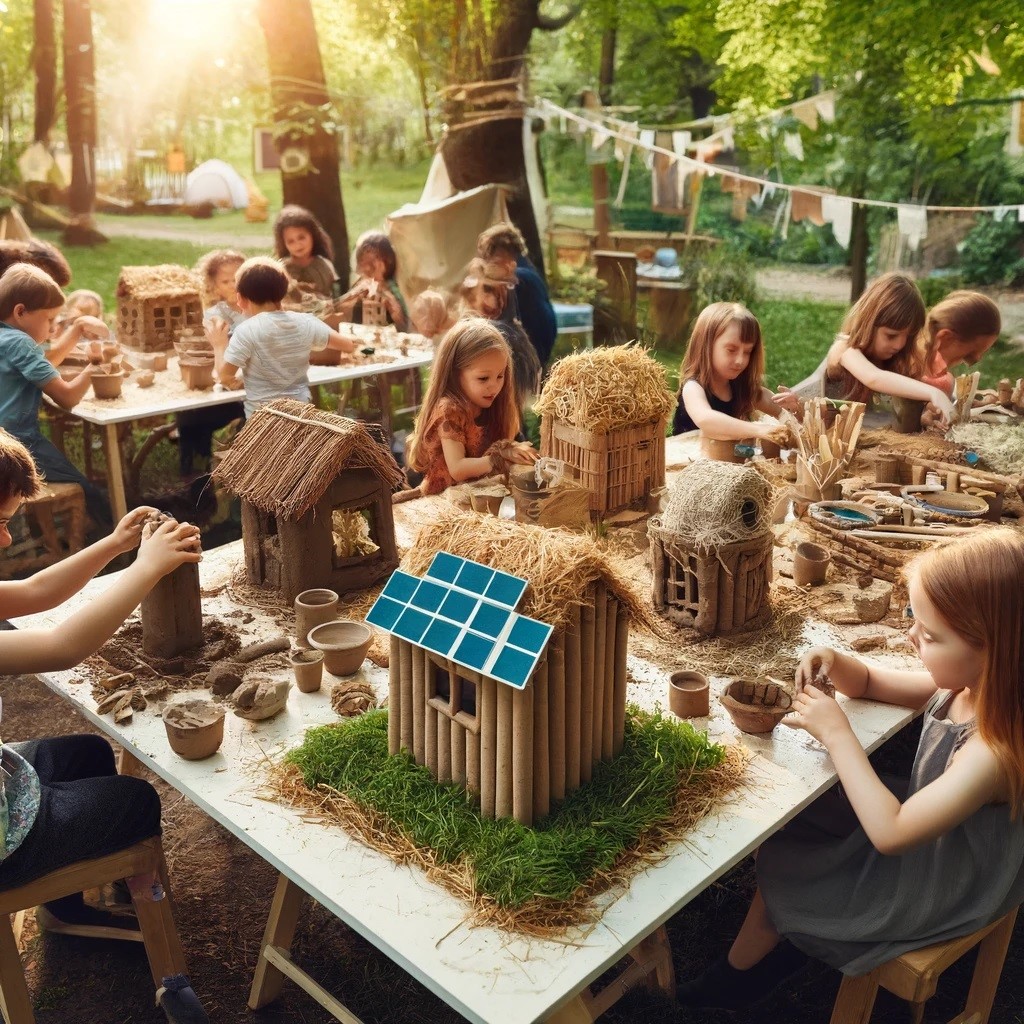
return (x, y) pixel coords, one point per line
(573, 284)
(991, 252)
(722, 275)
(513, 863)
(934, 289)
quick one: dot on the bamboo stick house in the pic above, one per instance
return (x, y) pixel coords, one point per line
(316, 500)
(604, 412)
(155, 305)
(519, 743)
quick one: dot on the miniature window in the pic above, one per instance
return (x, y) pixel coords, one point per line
(175, 310)
(354, 531)
(451, 693)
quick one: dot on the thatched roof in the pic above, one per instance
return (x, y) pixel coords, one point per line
(557, 565)
(289, 453)
(607, 389)
(167, 279)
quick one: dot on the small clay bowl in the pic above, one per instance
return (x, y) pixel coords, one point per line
(195, 728)
(107, 385)
(810, 564)
(952, 504)
(344, 644)
(308, 667)
(484, 501)
(756, 707)
(689, 695)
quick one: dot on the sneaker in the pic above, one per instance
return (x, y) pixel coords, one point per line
(71, 916)
(724, 987)
(179, 1002)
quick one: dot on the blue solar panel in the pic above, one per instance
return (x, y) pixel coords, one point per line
(464, 611)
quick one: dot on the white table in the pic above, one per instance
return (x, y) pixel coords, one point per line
(486, 974)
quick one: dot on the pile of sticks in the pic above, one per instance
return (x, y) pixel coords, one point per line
(825, 453)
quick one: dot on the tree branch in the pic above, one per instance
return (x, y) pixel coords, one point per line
(549, 23)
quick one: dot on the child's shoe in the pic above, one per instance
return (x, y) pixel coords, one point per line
(181, 1005)
(724, 987)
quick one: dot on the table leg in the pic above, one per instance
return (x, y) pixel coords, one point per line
(383, 382)
(115, 472)
(280, 930)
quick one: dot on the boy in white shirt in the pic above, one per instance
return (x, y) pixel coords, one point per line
(271, 346)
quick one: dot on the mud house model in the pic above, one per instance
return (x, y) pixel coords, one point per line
(155, 305)
(316, 500)
(516, 710)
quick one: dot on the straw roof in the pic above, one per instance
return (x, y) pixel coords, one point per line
(167, 279)
(557, 565)
(289, 453)
(606, 389)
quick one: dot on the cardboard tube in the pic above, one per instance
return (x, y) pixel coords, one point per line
(488, 762)
(541, 687)
(573, 709)
(430, 717)
(394, 697)
(419, 703)
(586, 678)
(444, 747)
(600, 670)
(457, 752)
(407, 709)
(607, 668)
(556, 714)
(621, 650)
(503, 762)
(523, 767)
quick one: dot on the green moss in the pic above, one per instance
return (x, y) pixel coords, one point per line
(513, 863)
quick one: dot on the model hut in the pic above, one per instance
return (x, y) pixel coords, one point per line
(316, 500)
(604, 413)
(516, 709)
(711, 549)
(155, 304)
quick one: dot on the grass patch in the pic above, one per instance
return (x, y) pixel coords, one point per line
(667, 777)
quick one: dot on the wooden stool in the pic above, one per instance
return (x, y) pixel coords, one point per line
(156, 920)
(45, 545)
(915, 975)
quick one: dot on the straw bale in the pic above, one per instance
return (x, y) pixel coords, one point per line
(557, 565)
(607, 389)
(1000, 445)
(164, 280)
(714, 503)
(289, 453)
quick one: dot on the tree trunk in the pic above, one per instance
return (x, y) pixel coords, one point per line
(298, 92)
(80, 100)
(606, 77)
(858, 250)
(44, 64)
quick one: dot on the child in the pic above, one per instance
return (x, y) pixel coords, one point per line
(305, 250)
(865, 874)
(67, 803)
(879, 349)
(44, 255)
(430, 314)
(469, 406)
(217, 272)
(83, 302)
(720, 377)
(376, 265)
(960, 329)
(30, 302)
(271, 347)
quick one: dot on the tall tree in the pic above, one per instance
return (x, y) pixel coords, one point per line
(305, 125)
(44, 64)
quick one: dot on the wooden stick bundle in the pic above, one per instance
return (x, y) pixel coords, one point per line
(826, 452)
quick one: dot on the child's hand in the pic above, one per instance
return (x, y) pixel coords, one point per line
(169, 545)
(523, 453)
(818, 661)
(786, 399)
(128, 532)
(217, 333)
(817, 714)
(91, 327)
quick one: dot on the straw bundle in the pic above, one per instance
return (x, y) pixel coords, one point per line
(1000, 445)
(558, 566)
(606, 389)
(826, 452)
(925, 446)
(289, 453)
(161, 281)
(716, 503)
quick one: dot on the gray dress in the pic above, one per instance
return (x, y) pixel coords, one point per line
(833, 895)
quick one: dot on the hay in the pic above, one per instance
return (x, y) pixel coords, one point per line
(606, 389)
(557, 565)
(290, 453)
(715, 503)
(163, 281)
(351, 532)
(922, 446)
(1000, 445)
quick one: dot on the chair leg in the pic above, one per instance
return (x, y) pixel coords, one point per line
(856, 1000)
(156, 920)
(988, 968)
(15, 1004)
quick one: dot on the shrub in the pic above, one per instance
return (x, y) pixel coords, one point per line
(991, 252)
(722, 275)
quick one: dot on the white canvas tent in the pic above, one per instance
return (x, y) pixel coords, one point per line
(216, 182)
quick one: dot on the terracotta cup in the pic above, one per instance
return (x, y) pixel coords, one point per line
(344, 644)
(720, 451)
(195, 728)
(689, 695)
(810, 563)
(308, 667)
(107, 385)
(312, 607)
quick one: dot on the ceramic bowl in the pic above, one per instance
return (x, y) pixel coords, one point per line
(756, 707)
(344, 644)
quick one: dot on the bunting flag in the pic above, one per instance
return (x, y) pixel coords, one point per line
(807, 206)
(793, 145)
(646, 142)
(767, 191)
(826, 104)
(912, 222)
(1020, 214)
(1000, 212)
(806, 112)
(668, 180)
(838, 211)
(681, 142)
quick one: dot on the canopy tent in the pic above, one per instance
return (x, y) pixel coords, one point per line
(216, 182)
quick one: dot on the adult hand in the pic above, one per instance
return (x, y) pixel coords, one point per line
(818, 714)
(787, 399)
(818, 661)
(128, 532)
(169, 545)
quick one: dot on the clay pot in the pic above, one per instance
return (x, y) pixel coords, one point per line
(308, 667)
(312, 607)
(810, 564)
(344, 644)
(755, 707)
(195, 728)
(107, 385)
(485, 502)
(156, 361)
(719, 451)
(196, 372)
(770, 450)
(908, 415)
(689, 695)
(887, 470)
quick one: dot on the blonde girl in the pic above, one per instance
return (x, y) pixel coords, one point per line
(216, 271)
(960, 329)
(873, 870)
(469, 407)
(720, 377)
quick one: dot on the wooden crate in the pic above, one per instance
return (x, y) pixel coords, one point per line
(153, 324)
(620, 468)
(721, 591)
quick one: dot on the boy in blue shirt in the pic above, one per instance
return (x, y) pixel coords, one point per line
(30, 302)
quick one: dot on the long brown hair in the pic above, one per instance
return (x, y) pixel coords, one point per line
(976, 586)
(208, 268)
(293, 216)
(713, 320)
(18, 475)
(969, 315)
(891, 301)
(466, 342)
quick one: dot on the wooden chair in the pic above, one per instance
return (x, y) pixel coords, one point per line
(156, 920)
(47, 541)
(914, 976)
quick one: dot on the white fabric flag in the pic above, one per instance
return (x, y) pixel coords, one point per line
(1000, 212)
(826, 105)
(599, 138)
(681, 142)
(793, 145)
(1020, 213)
(766, 192)
(838, 210)
(912, 222)
(646, 142)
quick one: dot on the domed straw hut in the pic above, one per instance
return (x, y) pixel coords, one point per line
(155, 305)
(711, 549)
(604, 413)
(508, 660)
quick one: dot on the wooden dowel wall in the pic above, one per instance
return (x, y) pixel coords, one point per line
(556, 715)
(573, 708)
(608, 671)
(444, 747)
(586, 726)
(410, 714)
(488, 754)
(429, 712)
(522, 707)
(503, 769)
(457, 743)
(600, 598)
(540, 685)
(395, 692)
(621, 651)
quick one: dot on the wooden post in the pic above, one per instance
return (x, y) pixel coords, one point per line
(395, 696)
(608, 663)
(488, 697)
(600, 670)
(503, 807)
(407, 710)
(586, 683)
(172, 614)
(419, 707)
(541, 686)
(457, 750)
(621, 650)
(556, 715)
(618, 271)
(573, 708)
(430, 715)
(522, 702)
(444, 748)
